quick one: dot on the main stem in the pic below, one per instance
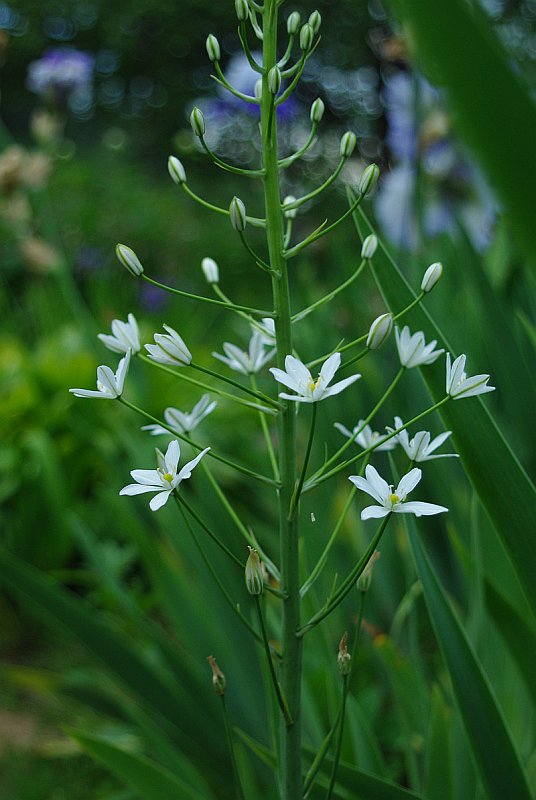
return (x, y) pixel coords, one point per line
(290, 747)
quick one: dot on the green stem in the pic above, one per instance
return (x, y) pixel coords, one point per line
(277, 687)
(254, 221)
(222, 80)
(299, 486)
(257, 259)
(257, 395)
(259, 312)
(313, 237)
(210, 533)
(301, 200)
(301, 314)
(230, 743)
(248, 173)
(286, 162)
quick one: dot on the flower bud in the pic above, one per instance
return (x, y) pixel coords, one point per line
(317, 110)
(379, 331)
(315, 20)
(431, 276)
(369, 246)
(253, 573)
(218, 678)
(348, 143)
(344, 658)
(257, 90)
(129, 259)
(291, 212)
(176, 170)
(237, 214)
(210, 270)
(369, 179)
(242, 10)
(307, 36)
(197, 121)
(213, 48)
(274, 80)
(363, 582)
(293, 23)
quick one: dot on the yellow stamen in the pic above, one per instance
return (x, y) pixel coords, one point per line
(168, 477)
(394, 498)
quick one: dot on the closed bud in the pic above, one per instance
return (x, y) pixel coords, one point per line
(363, 582)
(344, 658)
(213, 48)
(317, 110)
(197, 121)
(253, 573)
(307, 36)
(348, 143)
(431, 276)
(210, 270)
(293, 23)
(176, 170)
(291, 212)
(315, 21)
(237, 214)
(369, 246)
(218, 678)
(257, 91)
(129, 259)
(242, 10)
(274, 80)
(369, 179)
(379, 331)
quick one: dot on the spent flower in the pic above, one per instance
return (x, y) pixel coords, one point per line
(458, 385)
(393, 500)
(413, 350)
(125, 336)
(365, 579)
(109, 384)
(298, 378)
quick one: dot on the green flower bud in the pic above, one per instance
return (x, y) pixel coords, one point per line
(344, 658)
(363, 582)
(431, 276)
(210, 270)
(274, 80)
(176, 170)
(253, 573)
(307, 36)
(237, 214)
(291, 213)
(369, 179)
(242, 10)
(348, 143)
(369, 246)
(197, 121)
(257, 90)
(213, 48)
(218, 678)
(129, 259)
(315, 21)
(379, 331)
(293, 23)
(317, 110)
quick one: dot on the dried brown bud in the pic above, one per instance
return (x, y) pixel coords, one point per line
(218, 678)
(344, 658)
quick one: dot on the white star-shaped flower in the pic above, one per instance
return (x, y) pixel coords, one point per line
(366, 437)
(413, 350)
(246, 363)
(163, 480)
(169, 348)
(125, 336)
(266, 328)
(298, 378)
(181, 421)
(109, 384)
(392, 500)
(459, 385)
(421, 447)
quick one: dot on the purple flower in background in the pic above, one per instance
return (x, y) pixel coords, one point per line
(61, 72)
(452, 192)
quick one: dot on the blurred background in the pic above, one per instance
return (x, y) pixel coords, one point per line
(94, 98)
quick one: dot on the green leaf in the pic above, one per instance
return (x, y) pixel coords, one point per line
(146, 777)
(493, 750)
(439, 766)
(502, 484)
(492, 104)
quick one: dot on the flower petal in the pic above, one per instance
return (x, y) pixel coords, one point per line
(329, 368)
(381, 487)
(418, 508)
(149, 477)
(172, 456)
(159, 500)
(137, 488)
(408, 482)
(284, 378)
(338, 387)
(375, 512)
(186, 471)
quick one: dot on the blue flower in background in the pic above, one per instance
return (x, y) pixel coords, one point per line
(61, 73)
(431, 172)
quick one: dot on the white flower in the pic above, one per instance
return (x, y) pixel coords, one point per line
(169, 349)
(431, 276)
(182, 422)
(210, 270)
(413, 350)
(379, 331)
(125, 336)
(393, 500)
(298, 378)
(109, 385)
(366, 437)
(266, 328)
(246, 363)
(420, 448)
(459, 385)
(163, 480)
